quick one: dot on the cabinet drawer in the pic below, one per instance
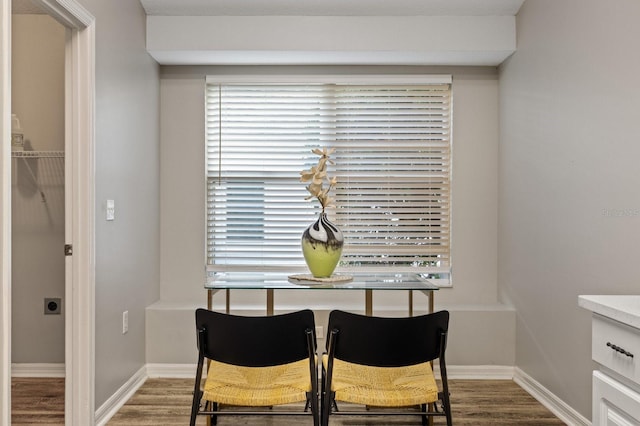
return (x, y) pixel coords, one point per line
(616, 346)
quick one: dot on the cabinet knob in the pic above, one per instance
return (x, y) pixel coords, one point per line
(619, 349)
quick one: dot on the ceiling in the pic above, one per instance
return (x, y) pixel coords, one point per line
(450, 13)
(332, 7)
(314, 7)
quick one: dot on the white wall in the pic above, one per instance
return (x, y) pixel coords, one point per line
(483, 324)
(127, 171)
(569, 212)
(37, 226)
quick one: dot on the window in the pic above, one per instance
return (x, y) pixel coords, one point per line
(392, 160)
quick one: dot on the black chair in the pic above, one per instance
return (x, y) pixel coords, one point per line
(385, 362)
(257, 362)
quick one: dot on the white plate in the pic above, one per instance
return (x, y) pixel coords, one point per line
(309, 279)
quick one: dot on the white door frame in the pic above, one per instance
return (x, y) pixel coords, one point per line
(5, 214)
(79, 209)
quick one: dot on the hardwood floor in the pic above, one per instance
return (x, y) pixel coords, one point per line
(167, 402)
(37, 401)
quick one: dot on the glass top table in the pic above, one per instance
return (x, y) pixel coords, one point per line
(270, 281)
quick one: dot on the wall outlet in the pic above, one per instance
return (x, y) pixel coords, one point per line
(52, 306)
(319, 331)
(125, 322)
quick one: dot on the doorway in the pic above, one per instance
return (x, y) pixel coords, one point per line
(37, 193)
(78, 205)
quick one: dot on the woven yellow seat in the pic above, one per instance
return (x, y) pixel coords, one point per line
(383, 386)
(384, 363)
(257, 386)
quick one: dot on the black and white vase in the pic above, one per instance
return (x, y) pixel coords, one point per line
(322, 247)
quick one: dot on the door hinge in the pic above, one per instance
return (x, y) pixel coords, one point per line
(68, 249)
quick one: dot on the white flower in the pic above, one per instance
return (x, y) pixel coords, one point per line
(318, 176)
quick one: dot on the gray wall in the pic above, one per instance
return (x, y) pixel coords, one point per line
(475, 178)
(482, 322)
(37, 227)
(127, 171)
(569, 215)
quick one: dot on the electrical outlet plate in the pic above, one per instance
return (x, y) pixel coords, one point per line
(52, 306)
(125, 322)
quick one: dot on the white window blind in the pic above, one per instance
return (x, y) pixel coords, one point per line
(393, 163)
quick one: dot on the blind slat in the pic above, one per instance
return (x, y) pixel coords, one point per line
(392, 161)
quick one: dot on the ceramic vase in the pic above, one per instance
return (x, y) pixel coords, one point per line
(322, 247)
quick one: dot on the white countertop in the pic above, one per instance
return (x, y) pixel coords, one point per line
(622, 308)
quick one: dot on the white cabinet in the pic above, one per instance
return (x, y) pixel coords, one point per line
(614, 404)
(615, 347)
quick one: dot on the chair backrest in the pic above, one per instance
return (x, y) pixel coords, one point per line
(255, 341)
(387, 342)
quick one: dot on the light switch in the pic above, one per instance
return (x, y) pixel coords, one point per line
(111, 210)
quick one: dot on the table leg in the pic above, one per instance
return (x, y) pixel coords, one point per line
(269, 301)
(368, 302)
(227, 297)
(410, 303)
(430, 295)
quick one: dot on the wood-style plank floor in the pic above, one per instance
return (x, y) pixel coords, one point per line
(37, 401)
(167, 402)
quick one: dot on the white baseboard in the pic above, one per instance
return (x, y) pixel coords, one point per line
(477, 372)
(118, 399)
(171, 371)
(37, 370)
(557, 406)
